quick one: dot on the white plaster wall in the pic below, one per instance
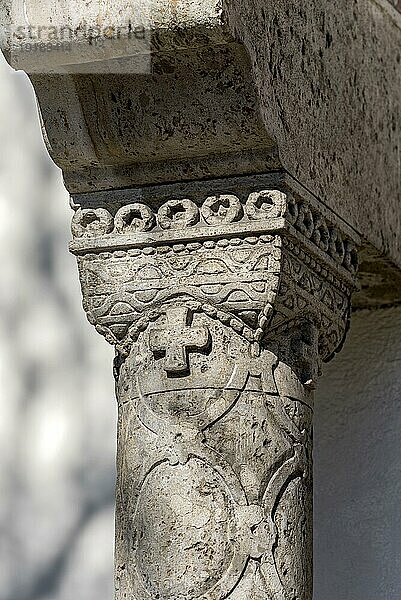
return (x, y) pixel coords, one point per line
(358, 464)
(57, 411)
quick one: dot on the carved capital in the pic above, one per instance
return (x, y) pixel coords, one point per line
(257, 254)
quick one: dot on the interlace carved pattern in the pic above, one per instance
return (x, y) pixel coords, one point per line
(215, 463)
(236, 277)
(133, 261)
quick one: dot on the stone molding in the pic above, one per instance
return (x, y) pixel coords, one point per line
(257, 235)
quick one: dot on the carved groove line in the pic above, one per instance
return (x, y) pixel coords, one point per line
(256, 532)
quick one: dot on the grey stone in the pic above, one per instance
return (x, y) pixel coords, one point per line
(329, 78)
(224, 293)
(221, 310)
(242, 89)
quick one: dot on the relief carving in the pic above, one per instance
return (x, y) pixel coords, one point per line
(217, 456)
(222, 307)
(177, 339)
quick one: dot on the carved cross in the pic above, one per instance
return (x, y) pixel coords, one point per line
(177, 339)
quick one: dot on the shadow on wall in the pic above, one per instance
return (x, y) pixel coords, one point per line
(358, 464)
(57, 410)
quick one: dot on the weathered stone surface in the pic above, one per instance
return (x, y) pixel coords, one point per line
(395, 3)
(252, 89)
(214, 486)
(194, 116)
(329, 78)
(335, 71)
(223, 293)
(222, 299)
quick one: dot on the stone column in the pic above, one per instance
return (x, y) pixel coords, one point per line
(222, 299)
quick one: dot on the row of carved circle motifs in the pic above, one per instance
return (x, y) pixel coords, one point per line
(179, 213)
(219, 210)
(327, 238)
